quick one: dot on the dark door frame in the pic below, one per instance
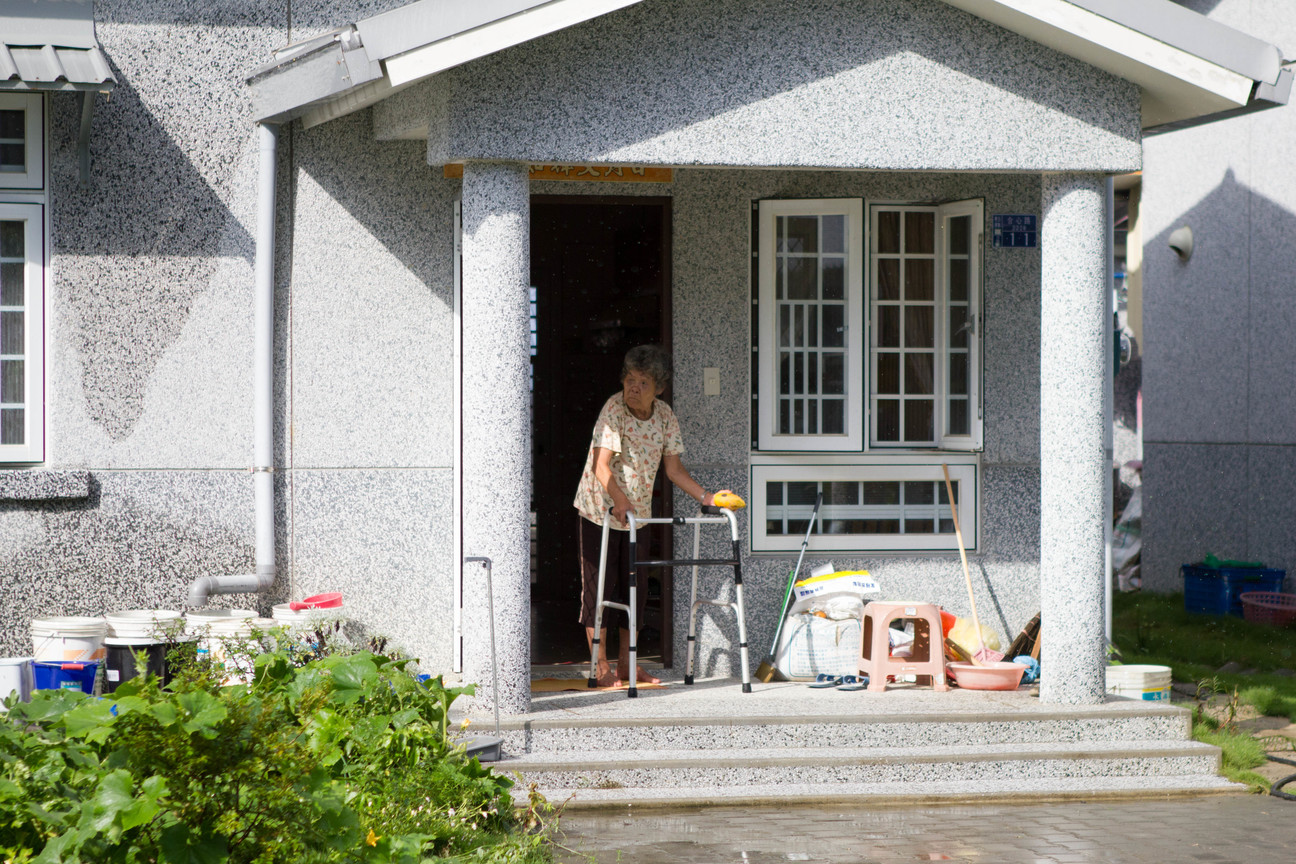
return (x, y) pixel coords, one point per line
(664, 204)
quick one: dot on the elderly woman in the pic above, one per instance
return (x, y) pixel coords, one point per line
(635, 433)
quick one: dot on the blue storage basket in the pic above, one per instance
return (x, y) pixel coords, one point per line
(52, 675)
(1218, 590)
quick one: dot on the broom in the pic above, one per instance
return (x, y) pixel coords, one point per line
(766, 672)
(983, 654)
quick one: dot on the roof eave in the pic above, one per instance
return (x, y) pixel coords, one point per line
(1191, 69)
(1265, 96)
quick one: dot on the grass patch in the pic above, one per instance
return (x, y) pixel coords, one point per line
(1156, 629)
(1241, 752)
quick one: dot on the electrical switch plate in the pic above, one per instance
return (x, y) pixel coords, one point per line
(710, 381)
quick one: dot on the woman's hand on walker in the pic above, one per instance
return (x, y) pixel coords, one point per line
(619, 511)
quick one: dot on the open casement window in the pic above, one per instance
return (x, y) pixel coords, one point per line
(22, 141)
(925, 306)
(873, 503)
(22, 333)
(810, 334)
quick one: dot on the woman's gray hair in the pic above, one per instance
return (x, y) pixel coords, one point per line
(651, 360)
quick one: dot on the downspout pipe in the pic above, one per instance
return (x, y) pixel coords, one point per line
(262, 389)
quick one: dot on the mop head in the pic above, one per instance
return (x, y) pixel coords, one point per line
(985, 646)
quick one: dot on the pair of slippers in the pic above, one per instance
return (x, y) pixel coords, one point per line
(839, 682)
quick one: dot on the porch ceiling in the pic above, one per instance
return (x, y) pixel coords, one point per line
(1191, 70)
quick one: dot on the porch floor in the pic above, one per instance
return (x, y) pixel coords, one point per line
(783, 702)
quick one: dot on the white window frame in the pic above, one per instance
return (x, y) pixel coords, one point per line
(854, 457)
(964, 470)
(942, 440)
(33, 447)
(33, 104)
(768, 436)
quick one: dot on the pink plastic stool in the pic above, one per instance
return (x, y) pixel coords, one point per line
(875, 644)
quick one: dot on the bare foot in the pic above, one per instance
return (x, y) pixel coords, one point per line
(605, 678)
(643, 677)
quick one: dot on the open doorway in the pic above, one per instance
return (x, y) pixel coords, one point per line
(600, 272)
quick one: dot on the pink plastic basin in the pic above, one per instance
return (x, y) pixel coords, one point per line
(987, 676)
(331, 600)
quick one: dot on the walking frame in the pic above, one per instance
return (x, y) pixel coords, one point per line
(710, 516)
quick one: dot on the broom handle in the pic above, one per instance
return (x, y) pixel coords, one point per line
(958, 535)
(792, 576)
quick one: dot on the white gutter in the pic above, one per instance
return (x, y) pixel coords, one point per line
(262, 390)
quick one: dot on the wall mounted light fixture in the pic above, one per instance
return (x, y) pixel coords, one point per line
(1181, 242)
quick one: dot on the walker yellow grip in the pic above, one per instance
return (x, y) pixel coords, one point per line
(728, 500)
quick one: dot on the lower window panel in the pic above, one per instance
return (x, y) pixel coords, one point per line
(866, 508)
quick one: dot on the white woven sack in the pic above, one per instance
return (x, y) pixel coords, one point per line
(811, 646)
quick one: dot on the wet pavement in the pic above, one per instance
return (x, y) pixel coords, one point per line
(1256, 829)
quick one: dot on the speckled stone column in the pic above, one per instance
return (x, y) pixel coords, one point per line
(497, 427)
(1074, 337)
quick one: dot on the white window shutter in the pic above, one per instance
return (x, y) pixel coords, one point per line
(962, 237)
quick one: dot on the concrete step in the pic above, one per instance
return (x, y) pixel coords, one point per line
(710, 732)
(898, 766)
(1029, 789)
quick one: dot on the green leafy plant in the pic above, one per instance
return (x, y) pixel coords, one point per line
(344, 757)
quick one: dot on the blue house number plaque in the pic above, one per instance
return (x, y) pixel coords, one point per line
(1016, 230)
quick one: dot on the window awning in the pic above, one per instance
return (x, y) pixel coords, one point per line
(51, 45)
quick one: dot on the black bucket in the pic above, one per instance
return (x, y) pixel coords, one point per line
(120, 663)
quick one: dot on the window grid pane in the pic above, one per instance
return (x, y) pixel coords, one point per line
(863, 507)
(13, 141)
(957, 341)
(12, 331)
(905, 324)
(810, 277)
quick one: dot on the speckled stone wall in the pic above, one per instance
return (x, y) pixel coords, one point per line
(1074, 341)
(497, 427)
(888, 84)
(365, 320)
(711, 245)
(149, 358)
(1219, 435)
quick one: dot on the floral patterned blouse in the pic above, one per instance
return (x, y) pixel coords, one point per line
(637, 448)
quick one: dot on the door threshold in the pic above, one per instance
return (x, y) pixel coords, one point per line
(581, 670)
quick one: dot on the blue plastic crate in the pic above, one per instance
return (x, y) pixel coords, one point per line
(1218, 590)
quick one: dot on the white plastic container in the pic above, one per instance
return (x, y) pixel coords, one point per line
(1148, 683)
(69, 639)
(302, 620)
(226, 645)
(15, 677)
(144, 625)
(199, 621)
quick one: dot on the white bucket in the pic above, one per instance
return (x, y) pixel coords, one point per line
(1149, 683)
(144, 625)
(68, 639)
(226, 645)
(305, 619)
(15, 677)
(199, 621)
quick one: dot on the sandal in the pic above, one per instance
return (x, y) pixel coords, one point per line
(823, 681)
(853, 682)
